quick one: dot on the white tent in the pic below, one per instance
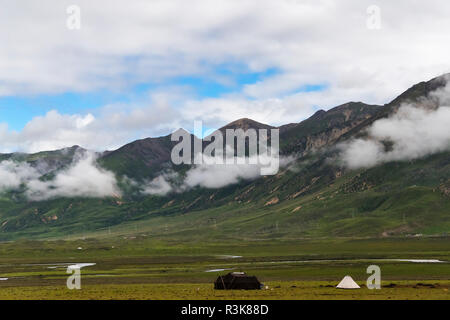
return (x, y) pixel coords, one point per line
(348, 283)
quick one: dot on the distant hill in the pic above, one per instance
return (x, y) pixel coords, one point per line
(314, 196)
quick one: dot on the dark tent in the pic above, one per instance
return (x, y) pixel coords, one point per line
(236, 281)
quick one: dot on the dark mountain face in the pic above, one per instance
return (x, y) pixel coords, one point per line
(144, 159)
(47, 161)
(245, 124)
(320, 130)
(325, 127)
(419, 95)
(311, 197)
(139, 158)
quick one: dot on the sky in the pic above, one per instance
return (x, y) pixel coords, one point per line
(100, 74)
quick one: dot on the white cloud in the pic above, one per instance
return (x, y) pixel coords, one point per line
(49, 132)
(317, 41)
(414, 132)
(310, 41)
(14, 174)
(212, 176)
(161, 185)
(218, 176)
(120, 45)
(362, 153)
(112, 127)
(84, 178)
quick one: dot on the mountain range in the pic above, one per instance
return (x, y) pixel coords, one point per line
(315, 193)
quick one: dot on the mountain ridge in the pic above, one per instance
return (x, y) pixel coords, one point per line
(312, 196)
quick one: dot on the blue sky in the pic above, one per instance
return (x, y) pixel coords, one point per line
(143, 70)
(17, 111)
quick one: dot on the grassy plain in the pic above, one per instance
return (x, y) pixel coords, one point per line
(140, 267)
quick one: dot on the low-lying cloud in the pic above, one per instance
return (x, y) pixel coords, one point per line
(161, 185)
(411, 133)
(83, 178)
(211, 176)
(15, 174)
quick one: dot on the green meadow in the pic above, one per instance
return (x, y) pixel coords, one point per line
(142, 267)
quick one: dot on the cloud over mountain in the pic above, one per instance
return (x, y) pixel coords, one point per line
(83, 178)
(14, 174)
(414, 131)
(213, 175)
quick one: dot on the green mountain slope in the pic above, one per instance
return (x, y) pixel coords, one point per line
(314, 196)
